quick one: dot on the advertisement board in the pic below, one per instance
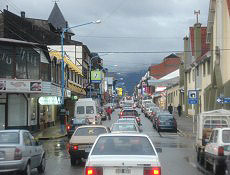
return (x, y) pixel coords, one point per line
(96, 76)
(119, 91)
(20, 86)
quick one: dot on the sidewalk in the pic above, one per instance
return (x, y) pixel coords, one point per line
(186, 126)
(49, 133)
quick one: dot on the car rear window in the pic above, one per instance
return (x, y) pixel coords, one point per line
(80, 110)
(226, 136)
(130, 112)
(216, 123)
(165, 117)
(76, 121)
(9, 138)
(124, 127)
(123, 145)
(90, 131)
(126, 121)
(89, 110)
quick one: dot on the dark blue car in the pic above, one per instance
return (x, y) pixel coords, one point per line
(166, 122)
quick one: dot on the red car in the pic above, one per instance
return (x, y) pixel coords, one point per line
(131, 113)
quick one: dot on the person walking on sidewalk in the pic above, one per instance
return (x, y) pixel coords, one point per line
(62, 117)
(109, 112)
(170, 109)
(179, 108)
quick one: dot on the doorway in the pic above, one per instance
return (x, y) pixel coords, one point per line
(2, 116)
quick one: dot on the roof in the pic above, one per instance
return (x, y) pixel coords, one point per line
(17, 41)
(170, 64)
(57, 19)
(204, 45)
(218, 112)
(228, 3)
(174, 74)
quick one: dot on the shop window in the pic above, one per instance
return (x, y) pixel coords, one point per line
(54, 73)
(6, 62)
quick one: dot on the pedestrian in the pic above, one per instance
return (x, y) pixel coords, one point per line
(170, 109)
(109, 112)
(179, 109)
(62, 117)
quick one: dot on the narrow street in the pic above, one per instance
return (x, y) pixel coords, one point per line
(178, 156)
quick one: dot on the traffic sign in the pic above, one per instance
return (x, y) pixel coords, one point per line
(219, 100)
(227, 100)
(223, 100)
(193, 97)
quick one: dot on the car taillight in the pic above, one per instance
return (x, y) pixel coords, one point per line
(93, 171)
(138, 119)
(220, 151)
(121, 113)
(152, 171)
(17, 154)
(73, 147)
(68, 127)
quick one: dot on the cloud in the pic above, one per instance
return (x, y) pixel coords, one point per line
(127, 25)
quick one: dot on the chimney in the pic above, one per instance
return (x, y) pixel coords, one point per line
(186, 50)
(23, 14)
(197, 40)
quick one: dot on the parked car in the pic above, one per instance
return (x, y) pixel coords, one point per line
(82, 140)
(166, 122)
(123, 154)
(147, 107)
(20, 152)
(216, 150)
(124, 127)
(158, 113)
(74, 124)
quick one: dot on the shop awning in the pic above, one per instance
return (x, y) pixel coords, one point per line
(70, 64)
(75, 88)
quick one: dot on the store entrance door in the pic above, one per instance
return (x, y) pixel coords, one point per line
(2, 116)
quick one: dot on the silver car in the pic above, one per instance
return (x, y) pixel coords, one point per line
(19, 151)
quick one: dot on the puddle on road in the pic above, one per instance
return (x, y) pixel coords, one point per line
(56, 148)
(171, 145)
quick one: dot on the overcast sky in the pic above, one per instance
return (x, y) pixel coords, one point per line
(127, 26)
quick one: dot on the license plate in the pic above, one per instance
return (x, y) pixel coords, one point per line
(85, 147)
(123, 171)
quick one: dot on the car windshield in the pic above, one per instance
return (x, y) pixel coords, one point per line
(123, 145)
(89, 110)
(124, 127)
(90, 131)
(226, 136)
(80, 110)
(165, 117)
(9, 138)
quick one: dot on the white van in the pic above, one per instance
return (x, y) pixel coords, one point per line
(88, 108)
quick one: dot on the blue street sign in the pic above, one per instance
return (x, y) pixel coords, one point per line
(223, 100)
(227, 100)
(193, 97)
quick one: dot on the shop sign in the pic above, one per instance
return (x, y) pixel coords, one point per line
(96, 76)
(74, 97)
(49, 100)
(20, 86)
(67, 93)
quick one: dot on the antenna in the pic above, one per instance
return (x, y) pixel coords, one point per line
(197, 13)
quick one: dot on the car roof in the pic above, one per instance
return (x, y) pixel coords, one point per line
(14, 130)
(124, 123)
(92, 126)
(124, 134)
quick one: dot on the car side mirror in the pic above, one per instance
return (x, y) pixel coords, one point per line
(159, 150)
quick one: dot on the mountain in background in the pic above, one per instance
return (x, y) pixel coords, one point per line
(131, 79)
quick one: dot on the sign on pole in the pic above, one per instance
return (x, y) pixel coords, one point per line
(193, 97)
(223, 100)
(96, 76)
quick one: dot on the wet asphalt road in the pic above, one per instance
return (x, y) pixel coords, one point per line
(178, 156)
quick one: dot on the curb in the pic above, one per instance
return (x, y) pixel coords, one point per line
(51, 138)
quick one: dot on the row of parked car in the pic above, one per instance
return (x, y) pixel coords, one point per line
(161, 120)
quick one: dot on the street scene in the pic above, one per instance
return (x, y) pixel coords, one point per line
(122, 87)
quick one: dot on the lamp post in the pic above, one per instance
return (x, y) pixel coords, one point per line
(63, 55)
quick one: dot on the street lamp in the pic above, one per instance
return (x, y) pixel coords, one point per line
(63, 54)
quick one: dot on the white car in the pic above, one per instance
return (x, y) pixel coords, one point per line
(125, 127)
(114, 154)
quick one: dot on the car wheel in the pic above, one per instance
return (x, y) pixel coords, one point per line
(42, 166)
(72, 161)
(27, 170)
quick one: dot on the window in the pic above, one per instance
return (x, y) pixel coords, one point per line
(215, 136)
(193, 75)
(89, 110)
(226, 136)
(26, 139)
(189, 78)
(45, 72)
(209, 67)
(9, 138)
(204, 69)
(6, 62)
(90, 131)
(80, 110)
